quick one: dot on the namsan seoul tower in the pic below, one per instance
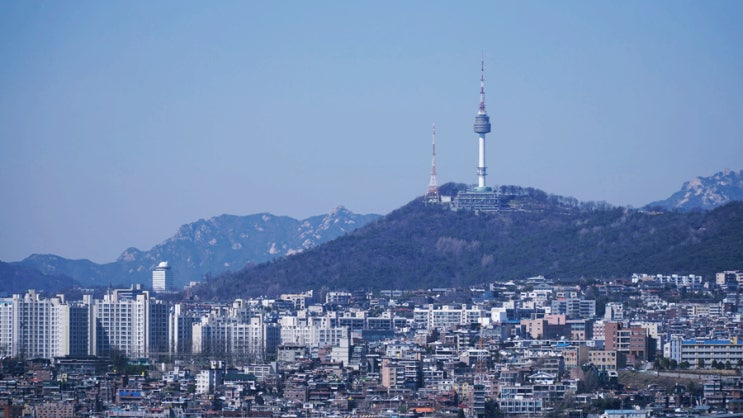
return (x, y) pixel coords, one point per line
(482, 127)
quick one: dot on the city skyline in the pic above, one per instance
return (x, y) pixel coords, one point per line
(121, 122)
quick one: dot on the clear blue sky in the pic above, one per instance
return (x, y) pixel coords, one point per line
(121, 121)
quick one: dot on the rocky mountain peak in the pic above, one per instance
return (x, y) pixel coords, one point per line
(705, 193)
(210, 247)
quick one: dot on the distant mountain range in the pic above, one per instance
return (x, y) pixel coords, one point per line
(385, 251)
(206, 247)
(705, 193)
(422, 246)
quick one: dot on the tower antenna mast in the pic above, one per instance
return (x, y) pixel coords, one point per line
(432, 196)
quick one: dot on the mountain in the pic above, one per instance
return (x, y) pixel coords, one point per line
(420, 246)
(209, 247)
(705, 193)
(18, 279)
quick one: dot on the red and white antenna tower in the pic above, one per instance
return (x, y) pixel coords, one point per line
(432, 196)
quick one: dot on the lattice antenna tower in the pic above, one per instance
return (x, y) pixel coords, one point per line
(432, 195)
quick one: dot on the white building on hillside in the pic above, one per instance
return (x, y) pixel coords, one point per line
(162, 278)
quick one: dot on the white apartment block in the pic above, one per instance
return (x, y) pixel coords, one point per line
(298, 299)
(697, 352)
(574, 307)
(34, 327)
(338, 298)
(252, 340)
(38, 326)
(445, 317)
(312, 336)
(6, 326)
(180, 330)
(131, 321)
(207, 380)
(677, 280)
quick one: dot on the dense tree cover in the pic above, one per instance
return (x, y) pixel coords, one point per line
(18, 279)
(420, 246)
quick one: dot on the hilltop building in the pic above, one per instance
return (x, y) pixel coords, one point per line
(162, 278)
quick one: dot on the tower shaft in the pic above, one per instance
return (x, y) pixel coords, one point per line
(481, 169)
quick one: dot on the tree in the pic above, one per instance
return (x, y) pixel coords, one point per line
(118, 360)
(562, 406)
(700, 363)
(589, 382)
(661, 363)
(217, 404)
(601, 405)
(694, 390)
(492, 410)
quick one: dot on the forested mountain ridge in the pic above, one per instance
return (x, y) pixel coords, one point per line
(18, 279)
(202, 248)
(420, 246)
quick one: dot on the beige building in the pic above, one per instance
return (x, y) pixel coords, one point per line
(605, 359)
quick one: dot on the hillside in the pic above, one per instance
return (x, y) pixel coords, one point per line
(207, 247)
(18, 279)
(419, 246)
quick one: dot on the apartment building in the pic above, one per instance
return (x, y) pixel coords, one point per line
(445, 317)
(702, 352)
(131, 321)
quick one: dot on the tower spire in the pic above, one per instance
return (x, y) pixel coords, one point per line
(481, 111)
(432, 196)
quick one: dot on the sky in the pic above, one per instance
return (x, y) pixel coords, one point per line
(121, 121)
